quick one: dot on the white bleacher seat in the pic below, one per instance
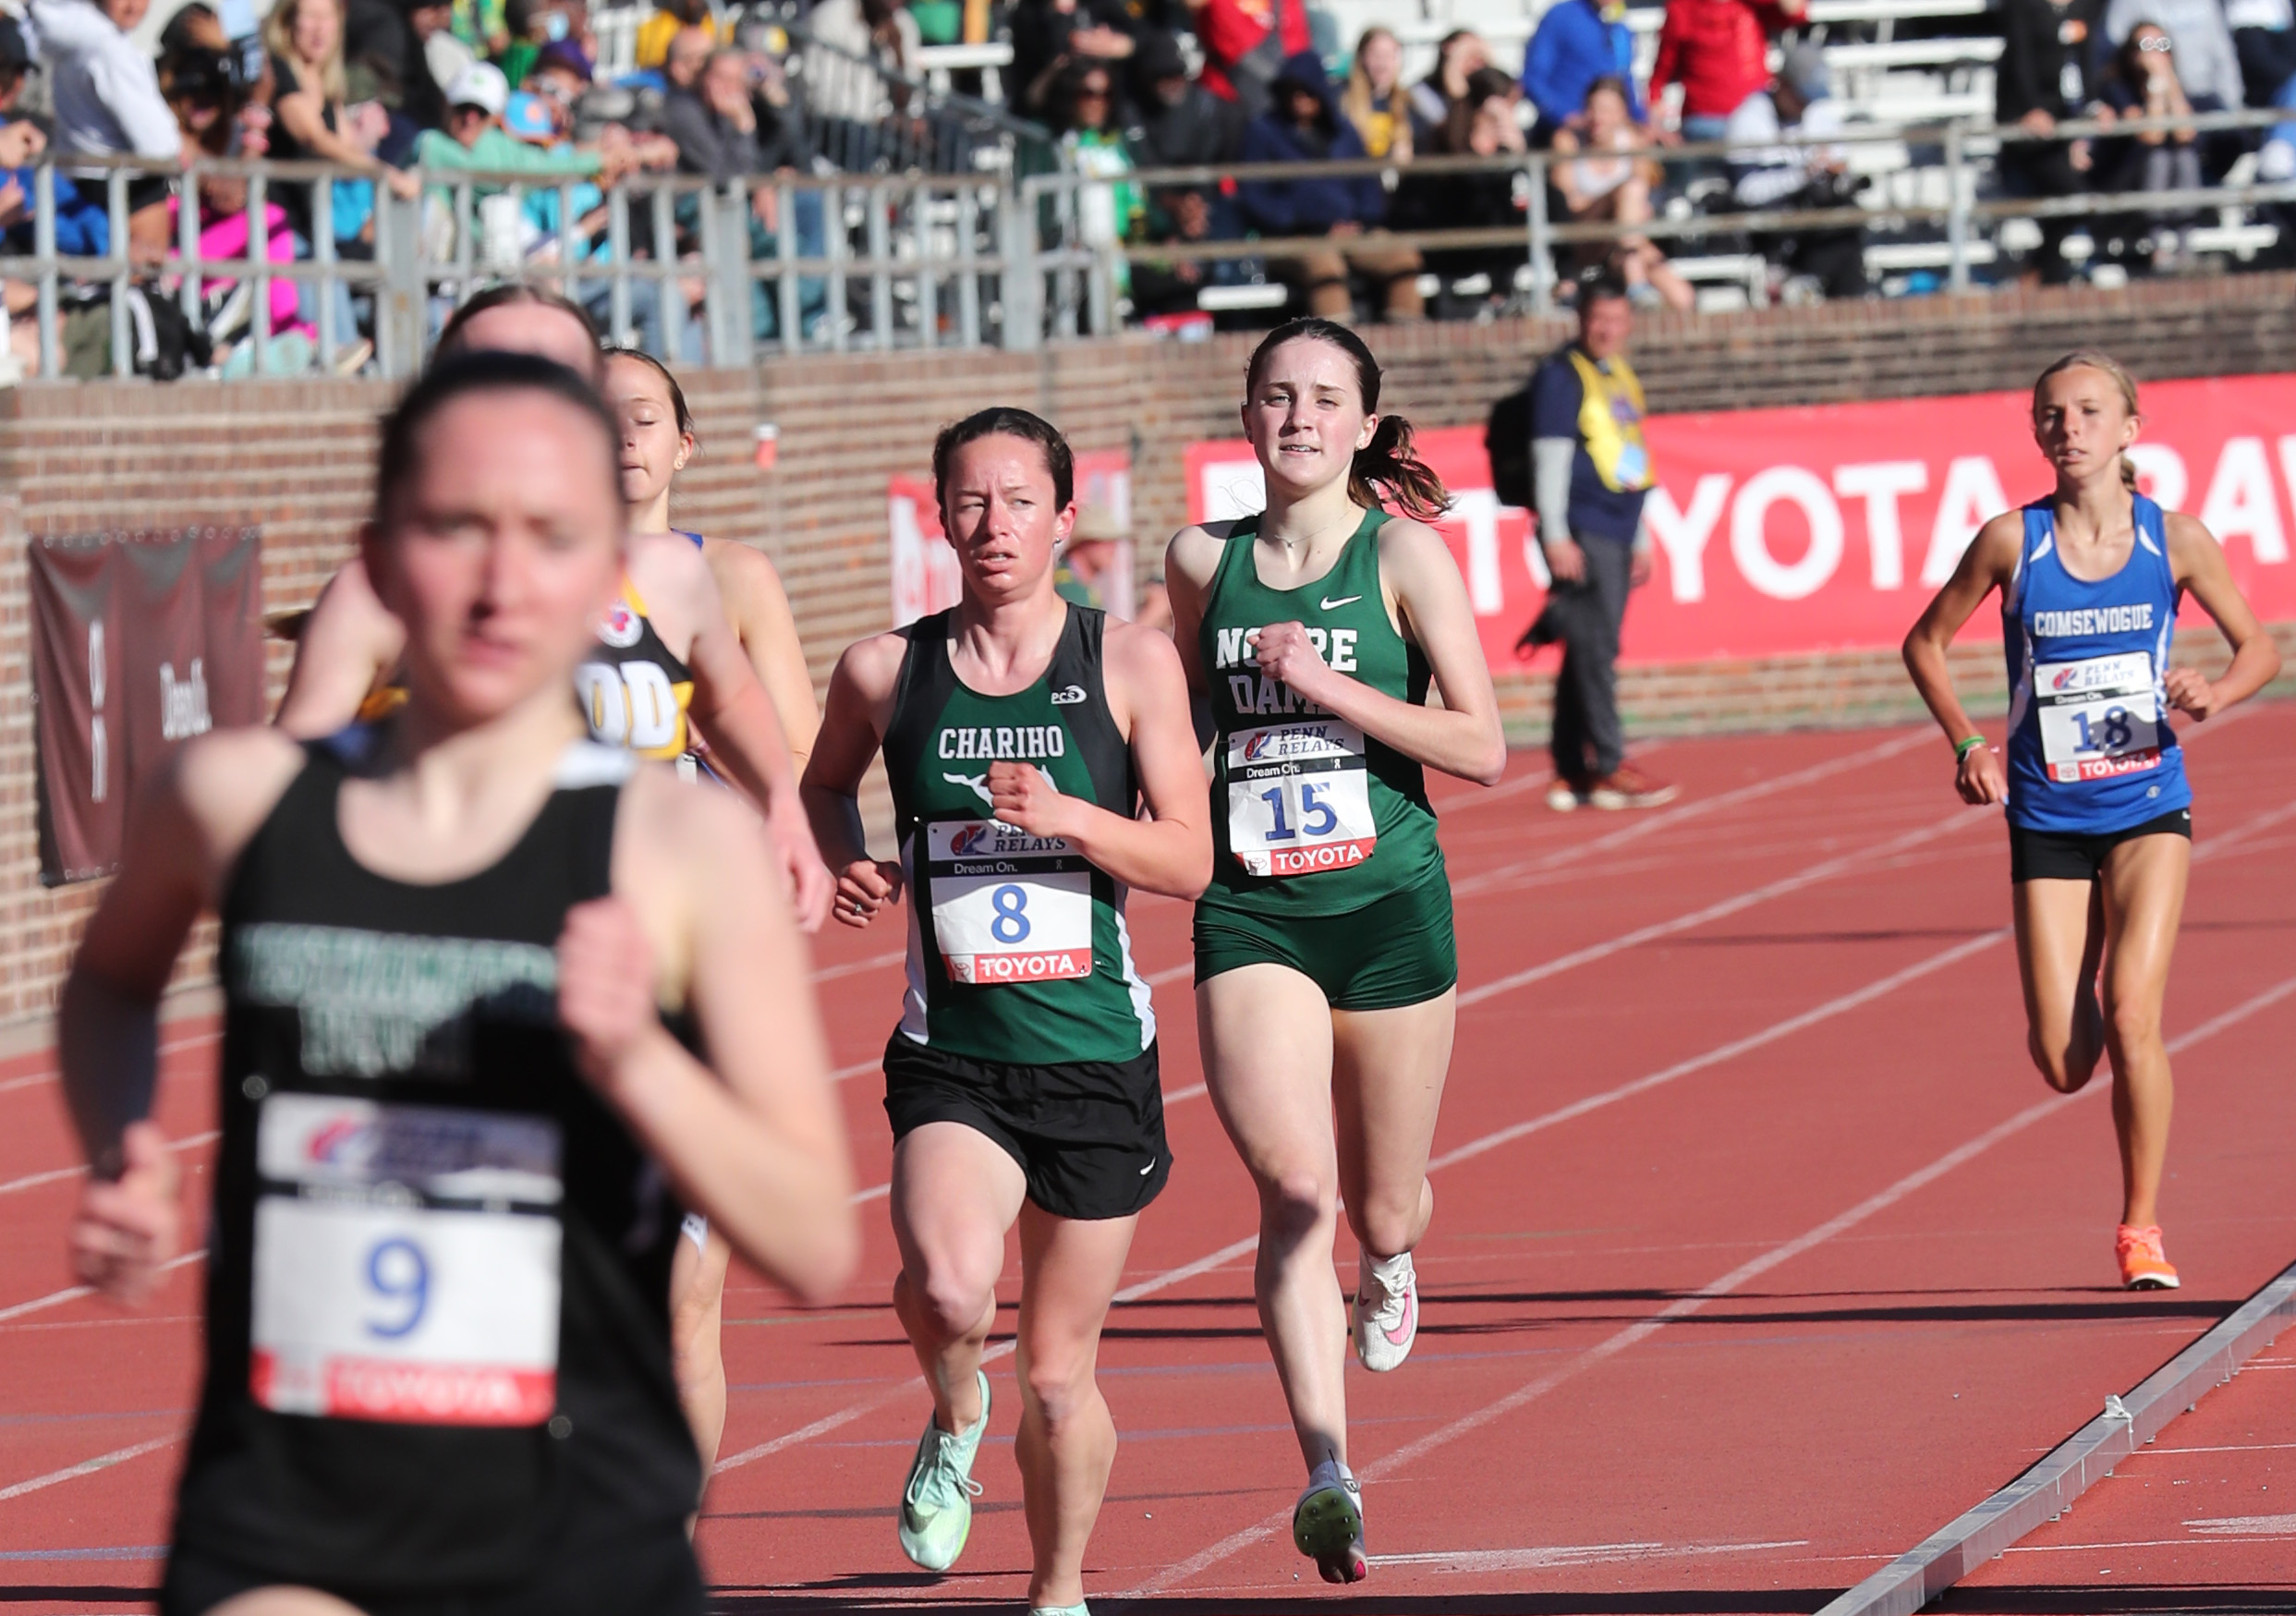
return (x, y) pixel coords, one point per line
(1747, 273)
(1897, 257)
(1227, 299)
(2241, 241)
(937, 62)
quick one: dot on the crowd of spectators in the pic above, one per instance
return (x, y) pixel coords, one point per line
(380, 88)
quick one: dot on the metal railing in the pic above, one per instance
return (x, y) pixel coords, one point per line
(794, 263)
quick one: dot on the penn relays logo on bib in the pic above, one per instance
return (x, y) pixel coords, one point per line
(621, 626)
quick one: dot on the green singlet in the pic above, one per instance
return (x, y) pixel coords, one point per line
(1017, 947)
(1311, 817)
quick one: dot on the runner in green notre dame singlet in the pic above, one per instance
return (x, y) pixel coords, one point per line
(1021, 735)
(1325, 968)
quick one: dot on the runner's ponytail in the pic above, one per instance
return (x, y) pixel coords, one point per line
(1389, 463)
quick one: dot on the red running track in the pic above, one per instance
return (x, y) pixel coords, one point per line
(2203, 1520)
(1760, 1251)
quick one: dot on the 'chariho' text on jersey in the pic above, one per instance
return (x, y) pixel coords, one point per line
(1018, 951)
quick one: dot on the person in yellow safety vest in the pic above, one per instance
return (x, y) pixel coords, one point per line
(1590, 469)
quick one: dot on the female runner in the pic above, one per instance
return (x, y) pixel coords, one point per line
(2100, 823)
(453, 949)
(1020, 735)
(667, 646)
(657, 439)
(1325, 969)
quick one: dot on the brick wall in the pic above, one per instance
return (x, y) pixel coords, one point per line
(293, 457)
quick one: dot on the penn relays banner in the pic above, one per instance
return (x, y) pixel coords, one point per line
(1827, 529)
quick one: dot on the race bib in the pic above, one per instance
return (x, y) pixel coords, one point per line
(405, 1263)
(2098, 718)
(1008, 906)
(1299, 797)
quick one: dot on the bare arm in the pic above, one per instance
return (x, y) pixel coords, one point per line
(2198, 562)
(853, 727)
(1988, 564)
(349, 643)
(759, 608)
(1171, 852)
(732, 706)
(184, 831)
(1190, 563)
(752, 1139)
(1462, 736)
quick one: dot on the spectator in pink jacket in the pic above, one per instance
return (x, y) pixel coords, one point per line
(1717, 51)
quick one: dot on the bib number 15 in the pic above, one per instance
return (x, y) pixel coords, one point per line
(1312, 815)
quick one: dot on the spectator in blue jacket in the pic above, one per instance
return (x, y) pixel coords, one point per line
(1303, 125)
(1578, 41)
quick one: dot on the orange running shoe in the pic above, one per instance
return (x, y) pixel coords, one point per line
(2144, 1267)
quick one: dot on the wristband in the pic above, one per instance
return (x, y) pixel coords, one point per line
(1967, 746)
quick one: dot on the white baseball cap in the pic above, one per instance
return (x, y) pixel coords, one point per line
(481, 85)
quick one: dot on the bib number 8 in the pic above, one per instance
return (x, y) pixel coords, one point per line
(398, 1272)
(2116, 731)
(1316, 820)
(1011, 904)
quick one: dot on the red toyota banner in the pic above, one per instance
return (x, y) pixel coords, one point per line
(1827, 528)
(139, 641)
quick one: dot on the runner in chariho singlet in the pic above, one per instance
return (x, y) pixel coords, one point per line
(1020, 737)
(1325, 966)
(437, 1366)
(2100, 823)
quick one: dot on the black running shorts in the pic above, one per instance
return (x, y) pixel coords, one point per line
(586, 1574)
(1088, 1135)
(2079, 855)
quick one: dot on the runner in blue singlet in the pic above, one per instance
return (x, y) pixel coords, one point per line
(2100, 819)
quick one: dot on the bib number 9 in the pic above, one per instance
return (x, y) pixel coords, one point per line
(400, 1274)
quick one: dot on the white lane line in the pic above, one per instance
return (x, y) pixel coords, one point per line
(1728, 1051)
(34, 1180)
(87, 1468)
(1485, 1561)
(1697, 1300)
(907, 1386)
(1810, 876)
(855, 968)
(171, 1046)
(1666, 819)
(2245, 1526)
(74, 1293)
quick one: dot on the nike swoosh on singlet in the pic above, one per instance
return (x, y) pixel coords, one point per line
(1331, 605)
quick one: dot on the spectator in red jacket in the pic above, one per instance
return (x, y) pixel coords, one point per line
(1717, 51)
(1245, 44)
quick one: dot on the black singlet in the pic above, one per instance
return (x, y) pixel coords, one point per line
(437, 1335)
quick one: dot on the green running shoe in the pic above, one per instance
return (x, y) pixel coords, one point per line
(937, 1504)
(1327, 1523)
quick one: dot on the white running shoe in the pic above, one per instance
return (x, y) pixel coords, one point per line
(1385, 1313)
(1327, 1523)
